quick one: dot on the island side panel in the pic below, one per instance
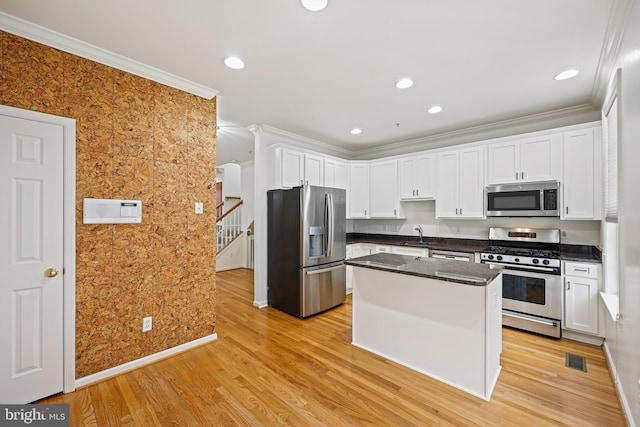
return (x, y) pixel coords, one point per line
(432, 326)
(435, 327)
(494, 334)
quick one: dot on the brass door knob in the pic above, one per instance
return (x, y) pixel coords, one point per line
(51, 272)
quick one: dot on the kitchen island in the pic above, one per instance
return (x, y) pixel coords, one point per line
(439, 317)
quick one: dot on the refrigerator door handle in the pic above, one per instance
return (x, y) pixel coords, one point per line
(324, 270)
(329, 226)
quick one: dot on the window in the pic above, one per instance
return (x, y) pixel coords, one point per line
(610, 126)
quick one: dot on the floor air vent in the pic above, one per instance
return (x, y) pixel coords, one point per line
(574, 361)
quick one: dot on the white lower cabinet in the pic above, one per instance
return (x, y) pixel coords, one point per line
(410, 251)
(581, 302)
(356, 250)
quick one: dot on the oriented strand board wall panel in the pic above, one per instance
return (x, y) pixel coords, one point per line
(136, 139)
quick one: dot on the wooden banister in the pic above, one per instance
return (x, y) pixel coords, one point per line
(231, 210)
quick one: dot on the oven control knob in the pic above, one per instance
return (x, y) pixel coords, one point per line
(490, 256)
(545, 262)
(499, 257)
(535, 261)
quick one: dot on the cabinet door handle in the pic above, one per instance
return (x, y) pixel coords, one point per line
(567, 210)
(568, 285)
(417, 192)
(460, 211)
(521, 175)
(456, 211)
(365, 212)
(394, 212)
(581, 270)
(516, 176)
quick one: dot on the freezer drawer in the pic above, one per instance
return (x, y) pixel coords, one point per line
(323, 287)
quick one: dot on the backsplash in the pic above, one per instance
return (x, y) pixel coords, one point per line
(423, 213)
(136, 139)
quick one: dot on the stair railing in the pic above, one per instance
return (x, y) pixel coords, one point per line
(229, 226)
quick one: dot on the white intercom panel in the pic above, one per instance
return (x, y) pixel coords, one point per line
(111, 211)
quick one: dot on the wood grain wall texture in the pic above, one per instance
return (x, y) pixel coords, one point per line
(136, 139)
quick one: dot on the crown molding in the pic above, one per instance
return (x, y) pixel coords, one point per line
(285, 137)
(37, 33)
(535, 122)
(610, 49)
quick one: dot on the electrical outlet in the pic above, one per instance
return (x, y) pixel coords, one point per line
(199, 208)
(147, 324)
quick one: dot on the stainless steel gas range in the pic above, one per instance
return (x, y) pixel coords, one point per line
(531, 283)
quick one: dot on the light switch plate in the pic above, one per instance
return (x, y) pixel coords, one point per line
(199, 208)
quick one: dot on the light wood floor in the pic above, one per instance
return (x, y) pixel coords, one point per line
(269, 368)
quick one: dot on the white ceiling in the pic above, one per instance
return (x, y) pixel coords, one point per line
(320, 74)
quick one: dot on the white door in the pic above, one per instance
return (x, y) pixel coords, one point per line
(31, 259)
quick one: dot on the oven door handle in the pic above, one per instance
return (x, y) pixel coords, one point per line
(528, 267)
(529, 319)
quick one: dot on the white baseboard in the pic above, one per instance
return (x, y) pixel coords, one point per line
(261, 304)
(626, 409)
(116, 370)
(230, 267)
(585, 338)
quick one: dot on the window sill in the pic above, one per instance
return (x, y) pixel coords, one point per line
(612, 303)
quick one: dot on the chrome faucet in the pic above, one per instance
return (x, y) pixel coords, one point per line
(419, 230)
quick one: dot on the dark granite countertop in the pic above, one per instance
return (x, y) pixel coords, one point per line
(449, 271)
(580, 253)
(438, 243)
(577, 253)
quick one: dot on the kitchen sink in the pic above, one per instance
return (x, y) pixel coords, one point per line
(417, 243)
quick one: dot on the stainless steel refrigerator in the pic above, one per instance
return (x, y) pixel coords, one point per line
(306, 249)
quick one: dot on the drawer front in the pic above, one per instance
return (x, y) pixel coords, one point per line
(578, 269)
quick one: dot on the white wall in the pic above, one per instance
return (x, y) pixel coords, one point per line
(246, 177)
(231, 180)
(623, 338)
(423, 213)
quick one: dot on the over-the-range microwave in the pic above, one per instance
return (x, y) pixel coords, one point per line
(526, 200)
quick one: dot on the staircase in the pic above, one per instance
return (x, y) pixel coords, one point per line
(229, 224)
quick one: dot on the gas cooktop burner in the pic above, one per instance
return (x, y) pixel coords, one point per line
(524, 249)
(536, 253)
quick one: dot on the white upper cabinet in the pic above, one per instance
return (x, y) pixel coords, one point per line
(525, 160)
(291, 168)
(336, 174)
(383, 196)
(417, 177)
(313, 170)
(460, 183)
(581, 192)
(297, 168)
(358, 192)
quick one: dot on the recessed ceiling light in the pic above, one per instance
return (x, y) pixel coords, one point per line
(435, 109)
(234, 62)
(356, 131)
(314, 5)
(566, 74)
(404, 83)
